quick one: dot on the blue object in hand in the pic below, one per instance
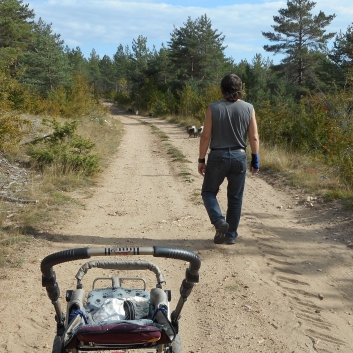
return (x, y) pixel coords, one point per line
(255, 161)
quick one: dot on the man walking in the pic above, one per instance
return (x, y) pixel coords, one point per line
(227, 125)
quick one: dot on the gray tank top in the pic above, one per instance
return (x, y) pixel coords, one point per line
(240, 113)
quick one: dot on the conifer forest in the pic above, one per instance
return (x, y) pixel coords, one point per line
(304, 103)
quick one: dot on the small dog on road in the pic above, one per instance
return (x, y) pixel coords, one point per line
(191, 130)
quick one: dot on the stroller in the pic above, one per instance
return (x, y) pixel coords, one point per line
(114, 317)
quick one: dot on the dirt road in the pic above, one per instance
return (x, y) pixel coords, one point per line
(285, 286)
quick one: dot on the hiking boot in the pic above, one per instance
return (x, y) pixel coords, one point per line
(221, 228)
(230, 241)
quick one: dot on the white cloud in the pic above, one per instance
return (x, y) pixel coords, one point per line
(105, 24)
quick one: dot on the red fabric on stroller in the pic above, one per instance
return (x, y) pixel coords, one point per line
(121, 333)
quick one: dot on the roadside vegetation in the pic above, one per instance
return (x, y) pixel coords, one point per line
(41, 186)
(56, 136)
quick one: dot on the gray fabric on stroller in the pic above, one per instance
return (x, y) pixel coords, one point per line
(102, 302)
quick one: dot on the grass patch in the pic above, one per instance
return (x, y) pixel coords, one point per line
(185, 174)
(156, 131)
(232, 288)
(306, 172)
(197, 198)
(161, 135)
(176, 154)
(8, 240)
(58, 198)
(57, 193)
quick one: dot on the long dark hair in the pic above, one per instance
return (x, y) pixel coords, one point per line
(231, 87)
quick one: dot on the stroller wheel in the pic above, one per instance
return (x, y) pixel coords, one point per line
(176, 345)
(58, 345)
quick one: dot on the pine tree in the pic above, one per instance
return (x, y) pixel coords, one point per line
(299, 36)
(342, 47)
(121, 65)
(16, 23)
(46, 66)
(78, 63)
(95, 76)
(139, 59)
(159, 66)
(106, 68)
(342, 56)
(183, 50)
(196, 51)
(210, 50)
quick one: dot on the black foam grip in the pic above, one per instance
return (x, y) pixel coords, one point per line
(179, 254)
(60, 257)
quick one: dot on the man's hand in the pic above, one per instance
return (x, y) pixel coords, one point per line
(202, 168)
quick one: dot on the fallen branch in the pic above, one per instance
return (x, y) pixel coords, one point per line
(38, 139)
(15, 199)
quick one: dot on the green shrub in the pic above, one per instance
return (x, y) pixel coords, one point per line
(122, 98)
(64, 149)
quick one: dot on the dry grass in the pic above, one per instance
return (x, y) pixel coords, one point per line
(56, 194)
(304, 172)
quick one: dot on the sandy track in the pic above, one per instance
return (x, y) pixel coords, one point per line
(259, 295)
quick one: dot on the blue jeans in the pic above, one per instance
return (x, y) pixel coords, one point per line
(221, 164)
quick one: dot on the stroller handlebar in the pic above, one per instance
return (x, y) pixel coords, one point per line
(179, 254)
(49, 277)
(51, 260)
(85, 253)
(52, 287)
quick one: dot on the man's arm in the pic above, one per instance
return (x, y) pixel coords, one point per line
(205, 140)
(254, 144)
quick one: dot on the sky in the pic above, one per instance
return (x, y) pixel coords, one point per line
(105, 24)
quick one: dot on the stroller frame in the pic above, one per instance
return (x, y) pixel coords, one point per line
(165, 324)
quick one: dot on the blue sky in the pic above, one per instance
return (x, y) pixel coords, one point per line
(105, 24)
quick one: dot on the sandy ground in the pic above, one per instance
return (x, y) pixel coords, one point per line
(285, 286)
